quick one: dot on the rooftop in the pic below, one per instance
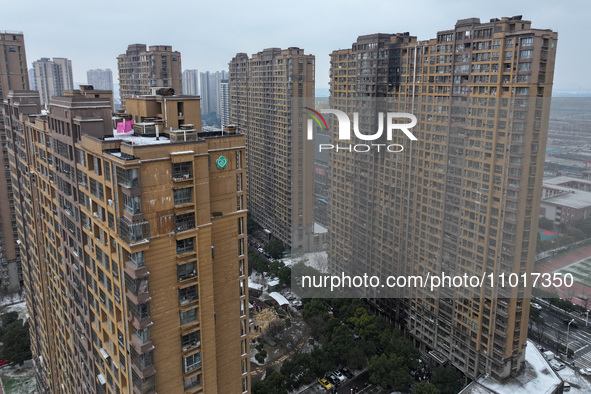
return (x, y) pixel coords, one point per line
(575, 199)
(561, 180)
(133, 139)
(537, 377)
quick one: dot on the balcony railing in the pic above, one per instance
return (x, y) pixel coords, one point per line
(133, 232)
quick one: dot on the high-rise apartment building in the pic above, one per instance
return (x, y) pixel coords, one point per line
(224, 102)
(464, 198)
(33, 84)
(267, 94)
(142, 69)
(191, 82)
(100, 79)
(135, 243)
(210, 91)
(53, 77)
(13, 75)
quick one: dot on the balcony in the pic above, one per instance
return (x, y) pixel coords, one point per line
(128, 178)
(133, 232)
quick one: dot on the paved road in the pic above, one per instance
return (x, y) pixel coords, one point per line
(579, 339)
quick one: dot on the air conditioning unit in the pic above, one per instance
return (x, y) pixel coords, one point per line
(110, 202)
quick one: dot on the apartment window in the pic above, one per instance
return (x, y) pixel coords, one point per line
(143, 361)
(184, 221)
(524, 66)
(192, 381)
(136, 286)
(188, 294)
(183, 196)
(240, 225)
(137, 259)
(188, 316)
(238, 160)
(241, 246)
(128, 178)
(143, 335)
(239, 182)
(182, 171)
(242, 327)
(132, 205)
(192, 362)
(191, 340)
(185, 245)
(186, 271)
(242, 307)
(526, 54)
(241, 267)
(527, 42)
(141, 311)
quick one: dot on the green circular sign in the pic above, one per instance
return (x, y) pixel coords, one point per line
(221, 162)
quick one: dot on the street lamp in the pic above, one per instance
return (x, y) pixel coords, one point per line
(567, 332)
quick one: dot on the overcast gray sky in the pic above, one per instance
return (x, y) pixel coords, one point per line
(209, 34)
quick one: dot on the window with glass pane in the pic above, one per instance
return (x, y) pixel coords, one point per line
(185, 245)
(182, 171)
(192, 362)
(191, 340)
(186, 271)
(132, 204)
(188, 294)
(183, 196)
(143, 335)
(188, 316)
(193, 381)
(137, 259)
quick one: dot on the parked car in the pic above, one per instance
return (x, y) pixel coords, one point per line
(339, 375)
(556, 365)
(536, 305)
(333, 379)
(585, 371)
(347, 373)
(324, 383)
(4, 362)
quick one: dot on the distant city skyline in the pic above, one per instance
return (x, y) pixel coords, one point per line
(329, 26)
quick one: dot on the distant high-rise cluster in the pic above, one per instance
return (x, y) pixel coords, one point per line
(53, 77)
(191, 82)
(142, 69)
(100, 79)
(210, 91)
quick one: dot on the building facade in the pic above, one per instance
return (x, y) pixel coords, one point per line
(53, 77)
(100, 79)
(191, 82)
(224, 103)
(464, 197)
(267, 95)
(142, 69)
(135, 250)
(13, 76)
(566, 200)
